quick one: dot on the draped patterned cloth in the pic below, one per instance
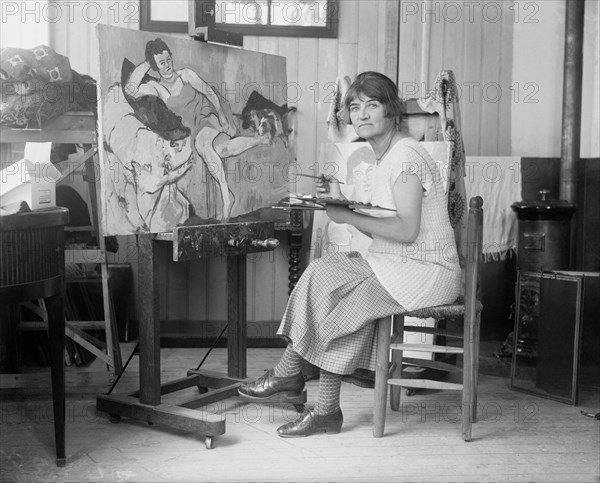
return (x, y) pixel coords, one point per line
(443, 100)
(38, 85)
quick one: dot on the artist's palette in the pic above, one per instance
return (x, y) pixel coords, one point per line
(314, 202)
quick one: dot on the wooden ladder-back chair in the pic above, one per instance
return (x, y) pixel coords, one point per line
(468, 306)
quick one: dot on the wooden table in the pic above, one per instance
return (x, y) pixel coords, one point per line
(32, 267)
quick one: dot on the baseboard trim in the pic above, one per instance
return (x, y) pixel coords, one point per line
(186, 333)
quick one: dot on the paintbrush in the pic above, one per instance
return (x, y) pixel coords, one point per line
(322, 177)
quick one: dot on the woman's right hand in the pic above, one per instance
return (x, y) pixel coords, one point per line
(329, 187)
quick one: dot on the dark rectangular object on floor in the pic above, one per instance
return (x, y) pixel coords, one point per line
(568, 330)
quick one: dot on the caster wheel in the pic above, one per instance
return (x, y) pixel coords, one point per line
(299, 407)
(410, 392)
(208, 442)
(202, 389)
(114, 418)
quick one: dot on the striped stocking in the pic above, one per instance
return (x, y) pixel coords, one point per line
(329, 392)
(290, 363)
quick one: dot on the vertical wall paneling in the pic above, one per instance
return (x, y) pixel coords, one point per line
(471, 83)
(307, 108)
(217, 293)
(388, 60)
(251, 43)
(348, 38)
(453, 41)
(368, 16)
(432, 32)
(207, 284)
(252, 304)
(590, 115)
(367, 39)
(325, 88)
(163, 260)
(385, 35)
(288, 47)
(177, 287)
(407, 52)
(473, 39)
(490, 91)
(537, 81)
(197, 283)
(506, 72)
(264, 290)
(538, 53)
(268, 45)
(347, 65)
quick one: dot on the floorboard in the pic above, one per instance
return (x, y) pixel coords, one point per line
(518, 437)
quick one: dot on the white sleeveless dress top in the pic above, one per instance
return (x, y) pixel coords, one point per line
(426, 272)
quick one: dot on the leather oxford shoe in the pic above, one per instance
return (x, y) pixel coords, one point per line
(268, 386)
(310, 422)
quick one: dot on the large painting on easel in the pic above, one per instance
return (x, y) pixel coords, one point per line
(191, 132)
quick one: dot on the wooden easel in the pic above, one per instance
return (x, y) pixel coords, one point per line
(233, 241)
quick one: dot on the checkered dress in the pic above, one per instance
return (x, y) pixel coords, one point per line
(426, 272)
(329, 316)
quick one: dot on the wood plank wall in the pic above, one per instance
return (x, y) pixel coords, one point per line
(389, 36)
(392, 36)
(474, 40)
(367, 40)
(381, 35)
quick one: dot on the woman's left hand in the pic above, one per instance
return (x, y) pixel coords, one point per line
(338, 214)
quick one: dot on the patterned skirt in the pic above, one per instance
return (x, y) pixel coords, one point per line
(331, 312)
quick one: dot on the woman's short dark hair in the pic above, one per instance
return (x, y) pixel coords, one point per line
(155, 47)
(379, 87)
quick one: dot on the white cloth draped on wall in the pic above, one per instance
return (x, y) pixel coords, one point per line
(497, 179)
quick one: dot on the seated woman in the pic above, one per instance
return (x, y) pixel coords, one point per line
(411, 263)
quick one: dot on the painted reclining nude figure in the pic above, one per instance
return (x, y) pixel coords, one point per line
(203, 111)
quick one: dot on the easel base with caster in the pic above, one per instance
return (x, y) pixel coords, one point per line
(190, 243)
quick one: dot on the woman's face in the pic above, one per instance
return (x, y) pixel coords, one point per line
(164, 64)
(368, 118)
(362, 177)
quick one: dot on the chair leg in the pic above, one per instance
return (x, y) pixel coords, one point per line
(477, 334)
(397, 337)
(381, 375)
(469, 381)
(56, 330)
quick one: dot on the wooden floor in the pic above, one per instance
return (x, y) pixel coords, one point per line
(518, 437)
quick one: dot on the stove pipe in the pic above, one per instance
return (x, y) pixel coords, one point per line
(572, 86)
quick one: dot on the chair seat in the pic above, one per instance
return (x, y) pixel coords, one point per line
(455, 309)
